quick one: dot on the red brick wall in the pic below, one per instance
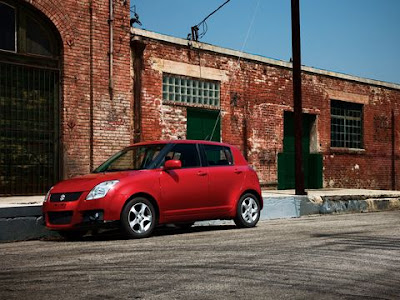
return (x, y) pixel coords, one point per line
(255, 122)
(112, 119)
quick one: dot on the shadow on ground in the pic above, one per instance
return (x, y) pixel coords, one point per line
(169, 230)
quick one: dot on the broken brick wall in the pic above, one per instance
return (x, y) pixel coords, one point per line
(85, 75)
(254, 97)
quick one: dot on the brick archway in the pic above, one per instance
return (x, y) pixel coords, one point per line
(29, 102)
(55, 12)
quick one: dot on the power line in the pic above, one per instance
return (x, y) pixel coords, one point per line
(213, 12)
(194, 35)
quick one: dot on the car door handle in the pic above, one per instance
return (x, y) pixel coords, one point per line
(237, 171)
(200, 173)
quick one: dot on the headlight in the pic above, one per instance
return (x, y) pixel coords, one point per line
(47, 195)
(100, 190)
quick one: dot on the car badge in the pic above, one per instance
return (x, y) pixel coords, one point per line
(62, 197)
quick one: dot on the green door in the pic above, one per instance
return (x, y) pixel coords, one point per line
(203, 125)
(312, 163)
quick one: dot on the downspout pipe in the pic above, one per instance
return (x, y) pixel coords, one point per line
(91, 113)
(138, 48)
(111, 49)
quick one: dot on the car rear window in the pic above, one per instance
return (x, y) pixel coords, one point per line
(218, 155)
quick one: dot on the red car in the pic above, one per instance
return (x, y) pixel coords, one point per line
(154, 183)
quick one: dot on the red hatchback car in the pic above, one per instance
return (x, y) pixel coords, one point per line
(154, 183)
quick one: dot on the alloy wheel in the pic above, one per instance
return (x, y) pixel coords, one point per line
(140, 218)
(249, 210)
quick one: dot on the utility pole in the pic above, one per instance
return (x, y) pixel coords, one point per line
(298, 122)
(393, 152)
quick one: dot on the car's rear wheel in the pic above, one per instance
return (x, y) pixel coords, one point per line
(72, 235)
(248, 211)
(138, 218)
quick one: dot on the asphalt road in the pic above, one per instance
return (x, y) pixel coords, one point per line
(353, 256)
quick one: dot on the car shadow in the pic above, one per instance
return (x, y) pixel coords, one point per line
(167, 230)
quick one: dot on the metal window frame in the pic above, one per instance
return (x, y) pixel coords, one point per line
(352, 125)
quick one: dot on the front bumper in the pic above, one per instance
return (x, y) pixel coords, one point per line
(59, 215)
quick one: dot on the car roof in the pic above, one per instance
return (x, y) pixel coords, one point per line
(182, 142)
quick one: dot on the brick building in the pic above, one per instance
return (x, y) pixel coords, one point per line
(77, 84)
(193, 90)
(65, 89)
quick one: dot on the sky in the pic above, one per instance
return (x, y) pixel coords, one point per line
(355, 37)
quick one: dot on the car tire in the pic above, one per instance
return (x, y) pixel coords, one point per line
(138, 218)
(247, 211)
(72, 235)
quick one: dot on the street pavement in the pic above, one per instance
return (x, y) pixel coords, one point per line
(347, 256)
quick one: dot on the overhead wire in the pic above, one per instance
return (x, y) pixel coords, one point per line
(240, 56)
(194, 35)
(249, 30)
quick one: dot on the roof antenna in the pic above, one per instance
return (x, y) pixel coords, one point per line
(135, 18)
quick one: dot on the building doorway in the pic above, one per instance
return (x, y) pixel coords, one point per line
(29, 100)
(203, 124)
(312, 162)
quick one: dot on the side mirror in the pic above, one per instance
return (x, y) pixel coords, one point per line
(172, 164)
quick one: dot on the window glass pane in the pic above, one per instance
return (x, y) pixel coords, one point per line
(346, 124)
(218, 155)
(186, 153)
(190, 91)
(37, 38)
(7, 27)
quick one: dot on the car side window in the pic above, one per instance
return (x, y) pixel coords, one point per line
(186, 153)
(218, 155)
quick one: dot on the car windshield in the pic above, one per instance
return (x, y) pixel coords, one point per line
(132, 158)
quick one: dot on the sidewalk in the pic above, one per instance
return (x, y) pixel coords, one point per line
(285, 204)
(21, 217)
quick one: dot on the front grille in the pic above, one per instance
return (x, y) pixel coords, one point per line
(59, 217)
(65, 197)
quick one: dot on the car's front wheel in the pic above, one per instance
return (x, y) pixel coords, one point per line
(138, 218)
(248, 211)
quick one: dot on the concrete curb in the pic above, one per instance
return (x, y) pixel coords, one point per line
(25, 222)
(22, 223)
(364, 205)
(297, 206)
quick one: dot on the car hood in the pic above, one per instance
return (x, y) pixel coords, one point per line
(89, 181)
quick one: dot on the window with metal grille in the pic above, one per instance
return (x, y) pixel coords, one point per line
(29, 100)
(346, 125)
(190, 91)
(24, 32)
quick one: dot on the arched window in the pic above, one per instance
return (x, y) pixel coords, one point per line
(22, 31)
(30, 50)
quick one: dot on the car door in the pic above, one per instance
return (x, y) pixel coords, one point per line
(225, 178)
(184, 190)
